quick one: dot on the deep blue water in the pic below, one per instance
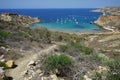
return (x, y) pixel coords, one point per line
(64, 20)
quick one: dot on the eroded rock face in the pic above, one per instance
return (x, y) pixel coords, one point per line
(109, 22)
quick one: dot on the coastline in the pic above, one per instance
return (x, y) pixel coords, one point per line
(36, 20)
(106, 28)
(17, 19)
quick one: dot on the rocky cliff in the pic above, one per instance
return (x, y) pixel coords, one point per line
(18, 20)
(109, 22)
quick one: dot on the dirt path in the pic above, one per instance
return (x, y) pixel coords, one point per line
(17, 72)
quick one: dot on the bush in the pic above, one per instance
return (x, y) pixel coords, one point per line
(3, 33)
(82, 48)
(98, 58)
(114, 70)
(58, 62)
(77, 47)
(2, 64)
(97, 76)
(63, 48)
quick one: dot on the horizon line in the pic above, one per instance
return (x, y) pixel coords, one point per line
(48, 8)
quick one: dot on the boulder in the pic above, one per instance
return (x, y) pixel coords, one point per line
(45, 78)
(54, 77)
(86, 77)
(2, 56)
(31, 63)
(2, 60)
(25, 72)
(101, 69)
(39, 71)
(10, 63)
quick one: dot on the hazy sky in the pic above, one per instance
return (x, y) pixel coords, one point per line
(57, 3)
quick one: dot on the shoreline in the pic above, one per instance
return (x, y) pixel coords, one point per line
(106, 28)
(117, 32)
(107, 31)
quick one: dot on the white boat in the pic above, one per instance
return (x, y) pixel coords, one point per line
(77, 22)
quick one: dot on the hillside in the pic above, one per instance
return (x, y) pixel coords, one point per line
(109, 10)
(40, 54)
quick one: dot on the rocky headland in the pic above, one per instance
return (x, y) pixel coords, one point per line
(110, 20)
(18, 20)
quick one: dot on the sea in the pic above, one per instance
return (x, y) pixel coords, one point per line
(63, 20)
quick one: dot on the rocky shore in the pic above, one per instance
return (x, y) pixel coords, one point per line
(109, 22)
(18, 20)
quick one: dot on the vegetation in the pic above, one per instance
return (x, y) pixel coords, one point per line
(3, 33)
(12, 55)
(114, 70)
(76, 47)
(97, 76)
(82, 48)
(3, 36)
(2, 64)
(99, 58)
(58, 62)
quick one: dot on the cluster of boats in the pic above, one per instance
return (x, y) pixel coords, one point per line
(67, 20)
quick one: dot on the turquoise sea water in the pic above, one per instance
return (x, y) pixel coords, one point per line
(72, 26)
(63, 20)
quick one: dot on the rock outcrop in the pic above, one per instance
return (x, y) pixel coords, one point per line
(10, 63)
(109, 22)
(18, 20)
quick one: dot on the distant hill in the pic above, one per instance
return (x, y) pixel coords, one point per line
(110, 10)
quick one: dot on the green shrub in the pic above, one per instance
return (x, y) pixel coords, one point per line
(3, 33)
(76, 46)
(97, 76)
(82, 48)
(81, 78)
(24, 34)
(114, 70)
(58, 62)
(97, 57)
(63, 48)
(2, 64)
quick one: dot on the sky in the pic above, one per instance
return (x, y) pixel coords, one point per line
(21, 4)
